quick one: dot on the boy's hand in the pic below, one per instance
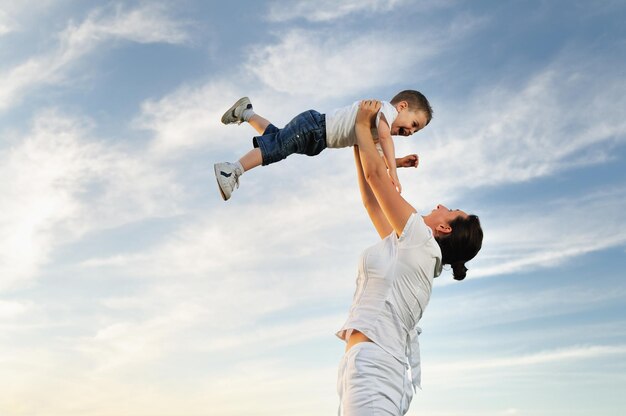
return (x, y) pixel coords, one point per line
(408, 161)
(367, 112)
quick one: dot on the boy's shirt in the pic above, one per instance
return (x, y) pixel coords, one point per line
(340, 124)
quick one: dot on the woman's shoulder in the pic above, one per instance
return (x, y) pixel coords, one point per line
(415, 230)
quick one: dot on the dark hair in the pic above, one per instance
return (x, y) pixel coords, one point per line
(462, 244)
(416, 101)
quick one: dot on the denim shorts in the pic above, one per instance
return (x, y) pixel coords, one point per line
(305, 135)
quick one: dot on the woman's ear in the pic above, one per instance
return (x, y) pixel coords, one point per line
(443, 229)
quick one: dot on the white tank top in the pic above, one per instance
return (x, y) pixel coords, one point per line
(340, 124)
(394, 283)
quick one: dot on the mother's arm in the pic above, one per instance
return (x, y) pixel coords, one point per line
(395, 209)
(369, 200)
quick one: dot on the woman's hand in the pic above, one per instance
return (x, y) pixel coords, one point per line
(408, 161)
(367, 112)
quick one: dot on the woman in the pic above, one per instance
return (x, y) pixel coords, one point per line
(394, 285)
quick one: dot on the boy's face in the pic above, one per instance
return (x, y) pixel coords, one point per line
(408, 121)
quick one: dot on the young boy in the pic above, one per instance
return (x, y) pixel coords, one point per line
(311, 132)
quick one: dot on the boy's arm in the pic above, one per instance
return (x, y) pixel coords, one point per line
(408, 161)
(386, 143)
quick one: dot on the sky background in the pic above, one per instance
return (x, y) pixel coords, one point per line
(128, 287)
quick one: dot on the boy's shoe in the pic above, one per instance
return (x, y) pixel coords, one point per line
(227, 175)
(235, 113)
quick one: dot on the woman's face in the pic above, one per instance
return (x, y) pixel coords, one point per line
(444, 215)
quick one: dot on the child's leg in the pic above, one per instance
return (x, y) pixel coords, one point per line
(305, 134)
(258, 123)
(242, 111)
(252, 159)
(227, 174)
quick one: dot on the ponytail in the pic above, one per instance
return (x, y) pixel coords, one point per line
(461, 245)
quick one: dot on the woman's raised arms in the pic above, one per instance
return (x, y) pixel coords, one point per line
(394, 207)
(369, 200)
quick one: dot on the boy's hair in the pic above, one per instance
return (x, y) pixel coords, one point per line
(416, 101)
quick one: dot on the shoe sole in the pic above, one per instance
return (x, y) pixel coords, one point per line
(229, 113)
(217, 172)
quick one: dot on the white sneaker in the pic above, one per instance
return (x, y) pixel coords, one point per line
(227, 175)
(235, 113)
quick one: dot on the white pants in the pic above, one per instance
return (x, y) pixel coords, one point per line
(372, 382)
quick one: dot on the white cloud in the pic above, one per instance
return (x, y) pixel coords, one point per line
(127, 344)
(62, 390)
(214, 265)
(121, 345)
(304, 69)
(15, 15)
(445, 371)
(273, 336)
(506, 136)
(206, 254)
(147, 24)
(317, 64)
(11, 309)
(64, 184)
(565, 229)
(187, 118)
(6, 25)
(203, 245)
(563, 374)
(326, 10)
(501, 307)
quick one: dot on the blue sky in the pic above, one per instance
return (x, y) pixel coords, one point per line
(128, 287)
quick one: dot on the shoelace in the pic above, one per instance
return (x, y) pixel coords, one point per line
(237, 175)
